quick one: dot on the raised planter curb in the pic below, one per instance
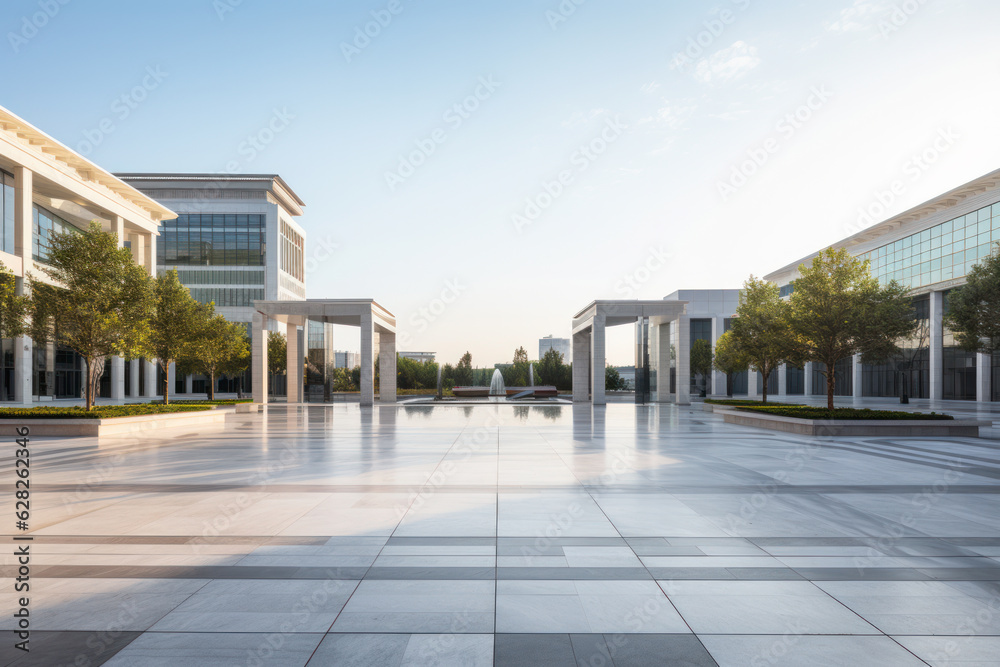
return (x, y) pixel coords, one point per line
(966, 428)
(114, 425)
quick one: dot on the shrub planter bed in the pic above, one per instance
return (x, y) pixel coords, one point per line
(712, 404)
(108, 420)
(850, 422)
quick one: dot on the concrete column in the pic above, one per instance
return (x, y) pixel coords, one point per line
(984, 373)
(937, 346)
(133, 370)
(152, 388)
(856, 377)
(150, 260)
(683, 360)
(139, 249)
(718, 377)
(663, 394)
(258, 357)
(598, 356)
(752, 392)
(295, 360)
(23, 370)
(189, 384)
(23, 219)
(581, 367)
(118, 229)
(387, 367)
(172, 379)
(117, 379)
(782, 380)
(807, 380)
(367, 360)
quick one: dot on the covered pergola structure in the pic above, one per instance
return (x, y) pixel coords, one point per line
(661, 325)
(378, 331)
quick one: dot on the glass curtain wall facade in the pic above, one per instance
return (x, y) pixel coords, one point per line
(943, 252)
(739, 382)
(643, 384)
(795, 381)
(843, 378)
(701, 329)
(910, 371)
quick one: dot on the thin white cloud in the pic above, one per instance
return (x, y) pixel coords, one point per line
(584, 117)
(861, 16)
(727, 64)
(650, 88)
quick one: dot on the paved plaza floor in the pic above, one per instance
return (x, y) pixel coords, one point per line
(507, 535)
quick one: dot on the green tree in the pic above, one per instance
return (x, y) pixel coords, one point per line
(729, 359)
(14, 308)
(100, 305)
(463, 372)
(550, 368)
(701, 361)
(520, 355)
(762, 329)
(175, 324)
(839, 310)
(277, 355)
(220, 348)
(974, 309)
(613, 381)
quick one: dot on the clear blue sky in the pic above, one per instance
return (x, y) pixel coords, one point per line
(884, 83)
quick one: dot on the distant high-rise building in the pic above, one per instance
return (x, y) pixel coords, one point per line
(422, 357)
(346, 359)
(561, 345)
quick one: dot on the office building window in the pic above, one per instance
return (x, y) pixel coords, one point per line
(232, 296)
(224, 277)
(944, 252)
(292, 252)
(46, 224)
(213, 240)
(909, 372)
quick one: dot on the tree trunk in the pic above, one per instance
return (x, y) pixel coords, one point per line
(166, 382)
(88, 386)
(764, 386)
(831, 385)
(211, 386)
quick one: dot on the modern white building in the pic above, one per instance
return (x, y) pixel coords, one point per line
(422, 357)
(235, 240)
(344, 359)
(49, 188)
(561, 345)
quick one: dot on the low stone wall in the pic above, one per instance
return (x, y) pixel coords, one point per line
(69, 428)
(855, 427)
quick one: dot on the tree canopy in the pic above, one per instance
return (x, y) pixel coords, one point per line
(175, 325)
(838, 310)
(100, 304)
(974, 308)
(762, 329)
(220, 347)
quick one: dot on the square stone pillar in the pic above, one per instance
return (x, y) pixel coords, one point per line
(581, 367)
(782, 380)
(294, 361)
(258, 357)
(936, 345)
(663, 394)
(117, 379)
(139, 249)
(23, 370)
(367, 360)
(135, 391)
(150, 261)
(857, 390)
(23, 217)
(984, 373)
(718, 377)
(752, 392)
(189, 384)
(172, 379)
(598, 358)
(807, 379)
(683, 360)
(152, 389)
(387, 367)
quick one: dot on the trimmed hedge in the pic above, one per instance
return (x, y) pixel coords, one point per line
(809, 412)
(747, 403)
(221, 401)
(99, 412)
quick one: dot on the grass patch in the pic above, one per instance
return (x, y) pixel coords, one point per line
(809, 412)
(741, 403)
(99, 412)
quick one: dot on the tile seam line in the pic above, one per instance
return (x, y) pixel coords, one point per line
(379, 554)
